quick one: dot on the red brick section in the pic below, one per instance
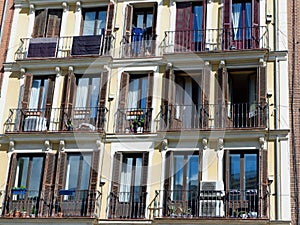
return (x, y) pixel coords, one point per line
(6, 33)
(294, 85)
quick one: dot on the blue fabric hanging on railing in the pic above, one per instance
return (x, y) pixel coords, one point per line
(137, 37)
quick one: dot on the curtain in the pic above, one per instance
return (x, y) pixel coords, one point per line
(248, 19)
(125, 183)
(143, 99)
(101, 22)
(137, 179)
(133, 94)
(89, 23)
(198, 12)
(82, 92)
(35, 94)
(85, 172)
(237, 20)
(94, 96)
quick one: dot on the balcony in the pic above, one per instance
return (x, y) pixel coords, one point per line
(94, 45)
(210, 116)
(140, 45)
(226, 39)
(134, 121)
(236, 204)
(127, 205)
(77, 119)
(36, 204)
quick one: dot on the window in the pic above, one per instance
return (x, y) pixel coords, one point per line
(241, 19)
(137, 92)
(189, 25)
(94, 21)
(47, 23)
(129, 185)
(140, 29)
(78, 171)
(29, 174)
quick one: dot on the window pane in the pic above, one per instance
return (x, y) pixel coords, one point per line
(251, 175)
(35, 176)
(192, 177)
(144, 81)
(133, 93)
(101, 22)
(126, 176)
(149, 20)
(178, 176)
(89, 23)
(44, 94)
(137, 179)
(22, 171)
(197, 23)
(140, 20)
(35, 94)
(235, 173)
(82, 92)
(85, 173)
(94, 96)
(72, 171)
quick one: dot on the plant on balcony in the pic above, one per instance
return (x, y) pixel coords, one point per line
(137, 125)
(24, 213)
(69, 124)
(185, 211)
(33, 212)
(172, 209)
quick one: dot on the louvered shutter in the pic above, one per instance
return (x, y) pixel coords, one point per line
(117, 166)
(154, 19)
(128, 19)
(110, 17)
(93, 183)
(227, 174)
(205, 85)
(165, 100)
(26, 90)
(40, 23)
(168, 179)
(144, 184)
(68, 97)
(49, 98)
(264, 183)
(102, 100)
(227, 10)
(61, 171)
(124, 85)
(48, 185)
(183, 26)
(149, 101)
(10, 180)
(54, 22)
(221, 98)
(261, 84)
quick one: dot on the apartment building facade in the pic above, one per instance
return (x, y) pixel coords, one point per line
(146, 112)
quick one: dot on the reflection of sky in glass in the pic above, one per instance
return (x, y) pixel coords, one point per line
(234, 171)
(23, 171)
(192, 176)
(178, 170)
(36, 173)
(250, 171)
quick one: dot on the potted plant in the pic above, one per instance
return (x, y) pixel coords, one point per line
(140, 125)
(69, 124)
(172, 210)
(24, 213)
(33, 212)
(17, 213)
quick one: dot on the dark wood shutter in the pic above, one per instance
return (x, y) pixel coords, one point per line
(261, 84)
(68, 97)
(149, 101)
(144, 183)
(128, 19)
(227, 176)
(93, 183)
(103, 89)
(200, 166)
(205, 86)
(255, 13)
(264, 182)
(154, 19)
(221, 98)
(184, 25)
(26, 90)
(124, 85)
(117, 166)
(61, 171)
(40, 23)
(48, 185)
(227, 13)
(49, 98)
(110, 18)
(54, 22)
(167, 181)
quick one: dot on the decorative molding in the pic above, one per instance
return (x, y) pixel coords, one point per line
(220, 146)
(169, 65)
(222, 64)
(262, 142)
(71, 69)
(22, 72)
(31, 9)
(78, 6)
(98, 144)
(262, 62)
(58, 71)
(204, 143)
(11, 145)
(65, 6)
(47, 145)
(164, 144)
(62, 145)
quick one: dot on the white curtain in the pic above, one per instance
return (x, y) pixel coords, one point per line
(89, 23)
(126, 180)
(94, 96)
(82, 93)
(133, 93)
(35, 94)
(236, 20)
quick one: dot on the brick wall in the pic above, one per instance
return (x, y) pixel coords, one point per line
(294, 82)
(6, 33)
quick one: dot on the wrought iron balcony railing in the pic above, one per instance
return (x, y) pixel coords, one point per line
(211, 116)
(138, 45)
(134, 120)
(65, 203)
(226, 39)
(56, 119)
(209, 204)
(127, 205)
(101, 45)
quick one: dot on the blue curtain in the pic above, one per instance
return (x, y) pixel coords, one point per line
(248, 19)
(198, 14)
(237, 20)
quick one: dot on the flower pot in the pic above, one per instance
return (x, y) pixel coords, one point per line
(59, 214)
(24, 214)
(17, 213)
